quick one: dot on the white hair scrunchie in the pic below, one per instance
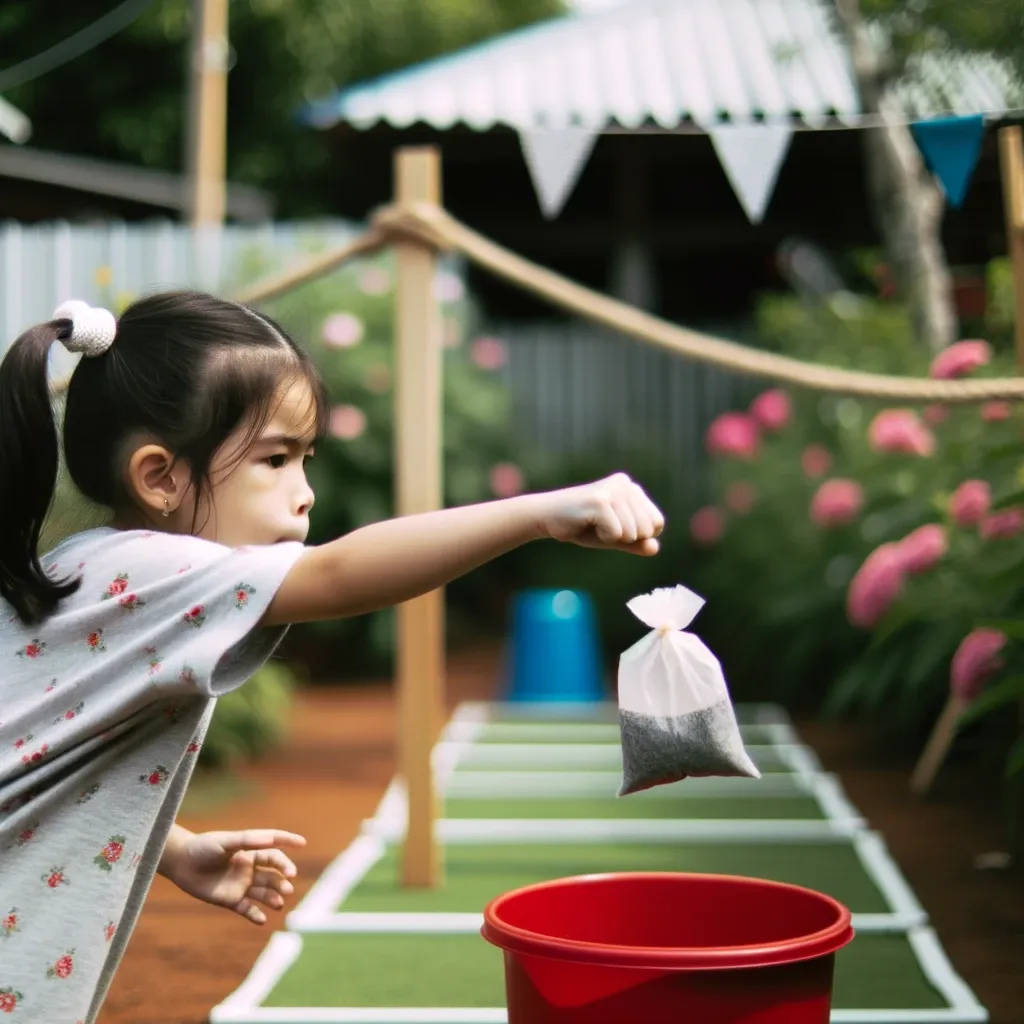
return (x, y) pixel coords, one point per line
(93, 328)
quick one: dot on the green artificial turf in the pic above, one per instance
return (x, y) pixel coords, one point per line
(874, 972)
(741, 807)
(608, 758)
(476, 873)
(604, 711)
(581, 732)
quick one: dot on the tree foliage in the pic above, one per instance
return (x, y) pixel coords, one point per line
(127, 99)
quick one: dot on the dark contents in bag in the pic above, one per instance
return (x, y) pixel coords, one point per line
(657, 750)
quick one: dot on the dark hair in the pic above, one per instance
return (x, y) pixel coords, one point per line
(186, 368)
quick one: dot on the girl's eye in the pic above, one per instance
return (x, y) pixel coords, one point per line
(277, 461)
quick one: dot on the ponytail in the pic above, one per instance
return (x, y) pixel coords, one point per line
(29, 460)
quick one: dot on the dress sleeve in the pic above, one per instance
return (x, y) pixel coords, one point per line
(192, 608)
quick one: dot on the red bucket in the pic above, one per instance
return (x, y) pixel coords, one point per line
(654, 948)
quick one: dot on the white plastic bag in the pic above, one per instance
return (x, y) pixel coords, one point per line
(675, 714)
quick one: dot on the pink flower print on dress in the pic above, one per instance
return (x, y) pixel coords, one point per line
(36, 756)
(51, 687)
(87, 794)
(54, 878)
(242, 594)
(62, 967)
(94, 641)
(26, 835)
(70, 713)
(110, 854)
(158, 775)
(193, 747)
(195, 616)
(130, 602)
(187, 676)
(9, 999)
(184, 568)
(9, 923)
(108, 931)
(32, 650)
(155, 661)
(116, 587)
(21, 741)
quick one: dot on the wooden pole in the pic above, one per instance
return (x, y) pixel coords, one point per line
(1011, 165)
(208, 128)
(418, 488)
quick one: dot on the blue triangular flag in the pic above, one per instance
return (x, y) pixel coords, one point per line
(951, 147)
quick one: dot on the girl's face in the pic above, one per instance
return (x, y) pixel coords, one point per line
(262, 497)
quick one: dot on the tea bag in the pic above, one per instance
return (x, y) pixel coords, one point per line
(675, 715)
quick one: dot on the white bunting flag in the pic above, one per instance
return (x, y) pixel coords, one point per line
(752, 155)
(555, 158)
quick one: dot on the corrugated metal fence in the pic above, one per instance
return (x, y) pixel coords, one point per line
(579, 392)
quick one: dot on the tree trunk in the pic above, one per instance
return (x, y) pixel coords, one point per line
(906, 201)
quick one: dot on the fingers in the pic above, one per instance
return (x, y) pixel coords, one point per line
(258, 839)
(250, 912)
(276, 860)
(629, 519)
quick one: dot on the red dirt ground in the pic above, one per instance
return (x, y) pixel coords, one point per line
(185, 956)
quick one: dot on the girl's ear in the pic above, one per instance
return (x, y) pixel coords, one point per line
(155, 479)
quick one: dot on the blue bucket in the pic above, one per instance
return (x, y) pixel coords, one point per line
(554, 654)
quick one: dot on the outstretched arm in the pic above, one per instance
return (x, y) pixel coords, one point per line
(387, 563)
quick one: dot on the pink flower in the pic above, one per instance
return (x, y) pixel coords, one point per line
(741, 497)
(875, 586)
(707, 525)
(1002, 525)
(815, 461)
(733, 433)
(933, 415)
(970, 502)
(837, 502)
(772, 409)
(960, 359)
(901, 431)
(342, 330)
(489, 353)
(975, 662)
(923, 548)
(506, 480)
(374, 281)
(996, 412)
(347, 422)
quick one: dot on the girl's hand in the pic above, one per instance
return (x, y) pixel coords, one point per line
(236, 870)
(613, 513)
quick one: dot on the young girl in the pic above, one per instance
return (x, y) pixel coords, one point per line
(191, 418)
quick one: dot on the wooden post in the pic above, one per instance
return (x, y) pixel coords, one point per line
(1011, 165)
(418, 488)
(208, 128)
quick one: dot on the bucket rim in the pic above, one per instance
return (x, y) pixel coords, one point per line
(816, 944)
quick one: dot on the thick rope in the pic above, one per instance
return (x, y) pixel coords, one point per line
(431, 225)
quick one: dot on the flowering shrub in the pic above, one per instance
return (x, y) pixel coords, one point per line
(881, 567)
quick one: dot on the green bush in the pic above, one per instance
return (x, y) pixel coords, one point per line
(252, 720)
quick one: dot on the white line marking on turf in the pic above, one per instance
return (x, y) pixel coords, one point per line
(605, 830)
(449, 923)
(832, 799)
(885, 873)
(280, 953)
(940, 972)
(343, 874)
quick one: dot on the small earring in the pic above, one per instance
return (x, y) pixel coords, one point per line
(167, 510)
